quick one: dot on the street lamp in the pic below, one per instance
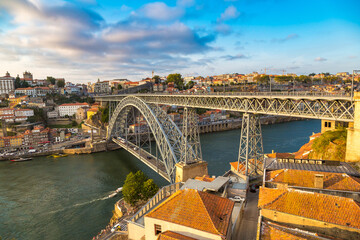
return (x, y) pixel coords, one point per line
(352, 82)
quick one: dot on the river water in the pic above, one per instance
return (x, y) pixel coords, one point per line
(66, 198)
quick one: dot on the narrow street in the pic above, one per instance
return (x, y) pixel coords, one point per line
(249, 222)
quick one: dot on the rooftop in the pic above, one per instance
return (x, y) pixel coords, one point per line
(303, 178)
(169, 235)
(325, 166)
(201, 185)
(272, 231)
(321, 207)
(195, 209)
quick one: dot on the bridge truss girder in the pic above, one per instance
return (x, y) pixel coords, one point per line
(339, 109)
(167, 135)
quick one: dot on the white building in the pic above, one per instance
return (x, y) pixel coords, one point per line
(24, 112)
(70, 108)
(7, 84)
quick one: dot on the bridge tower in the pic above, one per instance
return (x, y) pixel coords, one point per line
(353, 134)
(251, 152)
(191, 164)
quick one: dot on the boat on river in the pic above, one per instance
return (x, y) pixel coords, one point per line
(115, 192)
(58, 155)
(21, 159)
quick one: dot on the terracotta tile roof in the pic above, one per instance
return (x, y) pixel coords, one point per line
(205, 178)
(272, 231)
(280, 155)
(304, 151)
(321, 207)
(169, 235)
(302, 178)
(199, 210)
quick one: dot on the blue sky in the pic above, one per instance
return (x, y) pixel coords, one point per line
(85, 40)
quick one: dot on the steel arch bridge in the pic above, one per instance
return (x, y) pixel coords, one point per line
(167, 135)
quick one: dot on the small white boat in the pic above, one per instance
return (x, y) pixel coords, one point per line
(113, 194)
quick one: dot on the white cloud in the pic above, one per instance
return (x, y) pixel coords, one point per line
(230, 13)
(160, 11)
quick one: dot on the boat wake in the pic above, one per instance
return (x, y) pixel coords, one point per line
(110, 195)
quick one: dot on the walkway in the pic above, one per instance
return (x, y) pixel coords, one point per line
(248, 228)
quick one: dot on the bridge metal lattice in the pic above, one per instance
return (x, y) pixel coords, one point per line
(251, 151)
(330, 108)
(167, 135)
(191, 137)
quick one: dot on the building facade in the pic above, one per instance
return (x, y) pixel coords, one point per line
(70, 108)
(7, 84)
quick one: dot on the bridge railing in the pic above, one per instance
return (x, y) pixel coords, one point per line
(275, 94)
(163, 193)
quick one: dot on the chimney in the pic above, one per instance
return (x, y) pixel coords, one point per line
(319, 181)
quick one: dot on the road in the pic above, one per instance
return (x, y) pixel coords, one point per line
(248, 228)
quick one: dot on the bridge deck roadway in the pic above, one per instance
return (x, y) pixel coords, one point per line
(152, 162)
(305, 104)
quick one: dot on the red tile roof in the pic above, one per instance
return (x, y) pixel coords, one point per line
(205, 178)
(322, 207)
(272, 231)
(199, 210)
(169, 235)
(303, 178)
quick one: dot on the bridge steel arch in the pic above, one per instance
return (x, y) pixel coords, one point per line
(167, 135)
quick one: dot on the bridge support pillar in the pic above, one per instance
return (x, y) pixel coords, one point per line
(353, 134)
(186, 171)
(251, 152)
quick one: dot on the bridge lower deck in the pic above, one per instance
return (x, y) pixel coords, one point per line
(144, 156)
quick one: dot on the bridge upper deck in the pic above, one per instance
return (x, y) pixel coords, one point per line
(295, 104)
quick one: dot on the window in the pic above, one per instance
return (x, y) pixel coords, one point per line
(157, 229)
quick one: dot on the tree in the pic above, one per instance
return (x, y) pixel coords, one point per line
(150, 189)
(17, 82)
(51, 80)
(104, 114)
(189, 85)
(177, 79)
(119, 87)
(283, 79)
(61, 83)
(265, 79)
(156, 79)
(312, 74)
(138, 187)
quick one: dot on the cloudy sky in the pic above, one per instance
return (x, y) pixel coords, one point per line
(85, 40)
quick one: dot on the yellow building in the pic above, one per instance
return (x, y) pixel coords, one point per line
(2, 143)
(91, 112)
(16, 141)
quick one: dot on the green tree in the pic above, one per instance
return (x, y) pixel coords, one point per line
(119, 87)
(150, 189)
(104, 114)
(265, 79)
(312, 74)
(283, 79)
(177, 79)
(156, 79)
(138, 187)
(189, 85)
(61, 83)
(51, 80)
(17, 82)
